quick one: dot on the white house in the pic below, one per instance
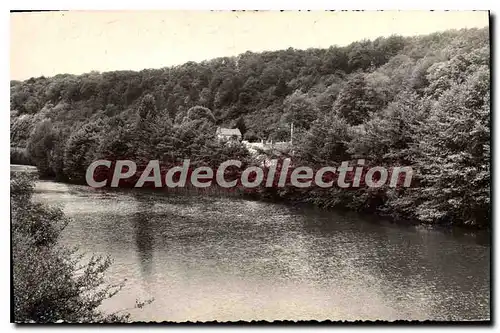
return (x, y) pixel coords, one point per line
(227, 134)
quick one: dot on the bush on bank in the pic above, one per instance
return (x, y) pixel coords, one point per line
(51, 282)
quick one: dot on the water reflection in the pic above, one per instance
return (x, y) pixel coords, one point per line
(144, 238)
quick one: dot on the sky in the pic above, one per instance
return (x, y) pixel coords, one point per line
(76, 42)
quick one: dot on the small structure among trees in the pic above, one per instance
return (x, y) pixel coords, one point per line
(226, 134)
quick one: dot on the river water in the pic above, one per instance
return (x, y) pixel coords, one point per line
(227, 259)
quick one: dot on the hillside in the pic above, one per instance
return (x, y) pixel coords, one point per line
(420, 101)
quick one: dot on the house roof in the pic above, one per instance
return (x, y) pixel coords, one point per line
(228, 131)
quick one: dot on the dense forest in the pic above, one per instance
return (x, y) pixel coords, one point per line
(419, 101)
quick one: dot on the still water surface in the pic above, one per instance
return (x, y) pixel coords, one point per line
(226, 259)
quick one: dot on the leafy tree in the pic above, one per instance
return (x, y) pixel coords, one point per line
(146, 112)
(240, 124)
(455, 151)
(390, 137)
(351, 103)
(361, 55)
(20, 129)
(200, 112)
(40, 145)
(441, 75)
(299, 110)
(326, 141)
(56, 159)
(81, 149)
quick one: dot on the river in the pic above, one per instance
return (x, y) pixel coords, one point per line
(227, 259)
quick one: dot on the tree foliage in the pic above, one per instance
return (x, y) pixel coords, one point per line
(414, 101)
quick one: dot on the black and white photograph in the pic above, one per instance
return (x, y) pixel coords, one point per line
(175, 166)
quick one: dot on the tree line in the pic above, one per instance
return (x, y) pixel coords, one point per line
(419, 101)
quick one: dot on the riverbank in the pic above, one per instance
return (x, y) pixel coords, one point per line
(275, 198)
